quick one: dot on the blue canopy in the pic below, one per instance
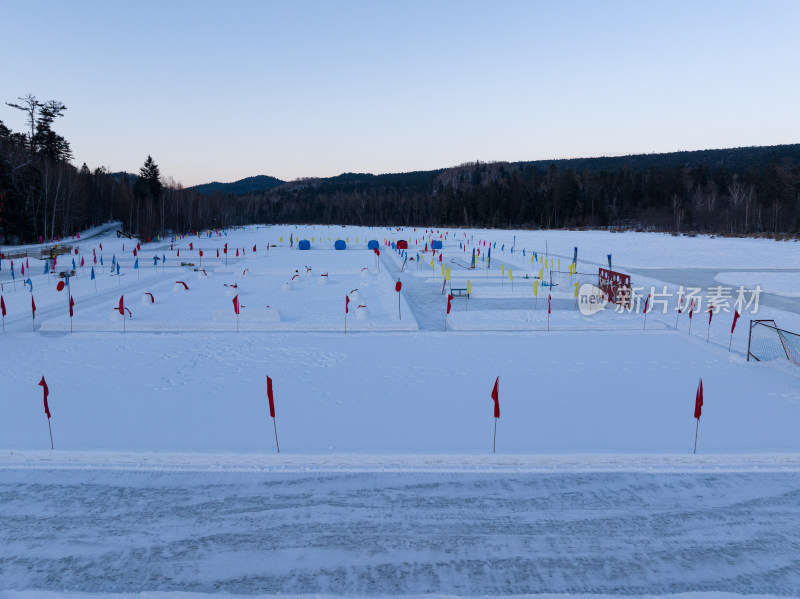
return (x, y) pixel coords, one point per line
(373, 245)
(339, 245)
(436, 244)
(305, 244)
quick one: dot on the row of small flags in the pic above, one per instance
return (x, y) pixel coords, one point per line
(495, 396)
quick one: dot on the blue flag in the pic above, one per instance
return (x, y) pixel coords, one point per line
(523, 252)
(73, 264)
(101, 259)
(117, 267)
(92, 279)
(136, 264)
(46, 267)
(29, 282)
(13, 276)
(163, 258)
(155, 260)
(113, 260)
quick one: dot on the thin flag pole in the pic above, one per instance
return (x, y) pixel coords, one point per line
(696, 430)
(275, 426)
(51, 433)
(729, 342)
(494, 440)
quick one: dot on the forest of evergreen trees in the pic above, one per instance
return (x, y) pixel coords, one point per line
(742, 191)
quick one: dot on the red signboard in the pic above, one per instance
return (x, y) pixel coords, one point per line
(616, 286)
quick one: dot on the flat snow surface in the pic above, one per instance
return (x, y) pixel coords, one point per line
(165, 483)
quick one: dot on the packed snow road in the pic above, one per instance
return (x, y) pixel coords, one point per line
(374, 531)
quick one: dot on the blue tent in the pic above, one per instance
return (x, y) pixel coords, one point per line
(373, 245)
(436, 244)
(339, 245)
(305, 244)
(394, 247)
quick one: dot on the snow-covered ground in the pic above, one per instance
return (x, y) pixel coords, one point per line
(165, 477)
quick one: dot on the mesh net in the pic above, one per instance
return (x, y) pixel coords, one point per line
(768, 342)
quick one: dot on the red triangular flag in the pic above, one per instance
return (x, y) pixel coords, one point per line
(33, 308)
(710, 313)
(680, 307)
(236, 304)
(270, 398)
(548, 304)
(691, 310)
(254, 249)
(2, 307)
(646, 303)
(217, 252)
(496, 398)
(346, 304)
(81, 261)
(237, 252)
(191, 247)
(46, 391)
(449, 299)
(121, 307)
(440, 257)
(71, 304)
(698, 401)
(733, 326)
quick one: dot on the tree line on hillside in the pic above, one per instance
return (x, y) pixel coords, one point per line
(740, 191)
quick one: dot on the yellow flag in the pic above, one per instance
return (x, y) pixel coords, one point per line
(281, 239)
(442, 269)
(312, 239)
(576, 289)
(432, 266)
(469, 287)
(541, 272)
(347, 240)
(559, 264)
(502, 269)
(510, 275)
(536, 287)
(447, 275)
(531, 258)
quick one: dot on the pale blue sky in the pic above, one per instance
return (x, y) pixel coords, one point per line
(225, 90)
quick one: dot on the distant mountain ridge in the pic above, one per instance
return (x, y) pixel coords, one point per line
(240, 187)
(729, 158)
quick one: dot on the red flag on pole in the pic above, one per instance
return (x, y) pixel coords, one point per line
(271, 399)
(236, 304)
(46, 391)
(548, 303)
(121, 307)
(496, 398)
(2, 307)
(254, 249)
(735, 318)
(698, 401)
(440, 257)
(646, 303)
(217, 252)
(691, 310)
(346, 304)
(710, 313)
(81, 261)
(449, 299)
(71, 304)
(33, 308)
(237, 252)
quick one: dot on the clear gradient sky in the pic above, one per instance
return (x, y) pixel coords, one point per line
(229, 89)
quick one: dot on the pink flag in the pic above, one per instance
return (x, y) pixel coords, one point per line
(698, 401)
(735, 318)
(496, 398)
(270, 398)
(46, 391)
